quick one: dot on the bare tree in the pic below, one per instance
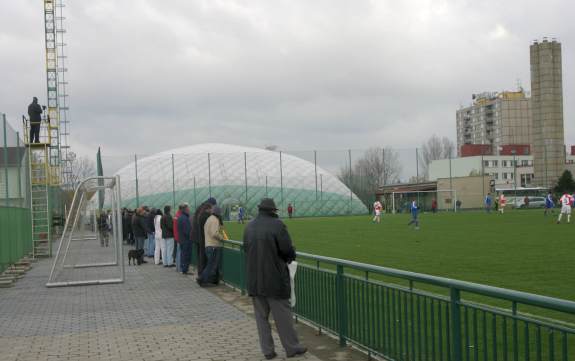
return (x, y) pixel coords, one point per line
(435, 148)
(377, 167)
(82, 168)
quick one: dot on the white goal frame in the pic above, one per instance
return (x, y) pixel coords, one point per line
(73, 231)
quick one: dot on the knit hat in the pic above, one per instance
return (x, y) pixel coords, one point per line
(212, 201)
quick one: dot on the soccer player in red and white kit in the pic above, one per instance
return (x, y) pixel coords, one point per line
(566, 201)
(377, 208)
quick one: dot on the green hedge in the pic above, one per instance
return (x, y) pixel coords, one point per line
(15, 235)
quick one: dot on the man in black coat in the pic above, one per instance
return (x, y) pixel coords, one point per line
(35, 114)
(184, 235)
(201, 215)
(268, 248)
(140, 228)
(150, 244)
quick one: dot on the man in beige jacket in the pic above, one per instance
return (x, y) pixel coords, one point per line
(210, 276)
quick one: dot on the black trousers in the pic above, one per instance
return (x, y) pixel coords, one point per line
(186, 256)
(34, 132)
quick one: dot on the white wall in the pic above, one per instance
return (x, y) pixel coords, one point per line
(460, 167)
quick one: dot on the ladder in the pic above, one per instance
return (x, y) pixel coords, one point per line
(40, 174)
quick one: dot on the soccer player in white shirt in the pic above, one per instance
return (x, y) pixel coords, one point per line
(566, 201)
(377, 208)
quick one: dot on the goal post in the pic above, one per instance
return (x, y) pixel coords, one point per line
(90, 249)
(400, 202)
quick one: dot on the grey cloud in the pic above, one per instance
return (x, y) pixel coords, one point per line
(147, 75)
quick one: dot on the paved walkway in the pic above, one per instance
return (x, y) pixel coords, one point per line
(156, 314)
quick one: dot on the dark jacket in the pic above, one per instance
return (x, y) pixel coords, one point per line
(199, 221)
(198, 236)
(140, 226)
(184, 227)
(167, 224)
(35, 112)
(150, 221)
(268, 248)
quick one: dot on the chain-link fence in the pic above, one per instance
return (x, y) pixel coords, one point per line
(15, 220)
(14, 184)
(316, 182)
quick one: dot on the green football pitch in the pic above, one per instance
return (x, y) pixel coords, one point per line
(521, 250)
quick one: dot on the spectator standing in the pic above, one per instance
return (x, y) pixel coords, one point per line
(434, 205)
(290, 210)
(184, 235)
(104, 228)
(177, 239)
(198, 236)
(140, 227)
(167, 246)
(526, 202)
(157, 236)
(268, 248)
(150, 242)
(213, 236)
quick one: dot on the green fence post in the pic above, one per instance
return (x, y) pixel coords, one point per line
(455, 298)
(173, 185)
(5, 158)
(242, 270)
(137, 190)
(246, 175)
(209, 176)
(195, 196)
(19, 170)
(281, 184)
(350, 182)
(341, 305)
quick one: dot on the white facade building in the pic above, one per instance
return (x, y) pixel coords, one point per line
(502, 169)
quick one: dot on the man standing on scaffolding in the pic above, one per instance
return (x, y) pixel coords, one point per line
(35, 114)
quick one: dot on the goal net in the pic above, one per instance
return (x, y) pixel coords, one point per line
(445, 200)
(90, 249)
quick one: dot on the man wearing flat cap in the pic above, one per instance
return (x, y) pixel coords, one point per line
(268, 248)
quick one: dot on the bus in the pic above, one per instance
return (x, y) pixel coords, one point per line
(515, 196)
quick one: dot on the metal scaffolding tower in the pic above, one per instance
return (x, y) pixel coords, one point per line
(50, 166)
(64, 119)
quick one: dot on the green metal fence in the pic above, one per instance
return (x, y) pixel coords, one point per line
(15, 235)
(392, 313)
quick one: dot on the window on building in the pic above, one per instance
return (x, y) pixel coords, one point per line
(494, 163)
(524, 162)
(504, 163)
(495, 175)
(504, 175)
(510, 175)
(486, 163)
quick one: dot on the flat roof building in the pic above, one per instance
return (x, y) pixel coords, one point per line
(493, 120)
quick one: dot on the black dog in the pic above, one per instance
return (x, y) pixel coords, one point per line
(137, 255)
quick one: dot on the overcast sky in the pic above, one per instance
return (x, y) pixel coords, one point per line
(146, 75)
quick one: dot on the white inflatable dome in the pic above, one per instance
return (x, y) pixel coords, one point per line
(221, 170)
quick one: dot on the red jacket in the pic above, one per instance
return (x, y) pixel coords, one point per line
(175, 222)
